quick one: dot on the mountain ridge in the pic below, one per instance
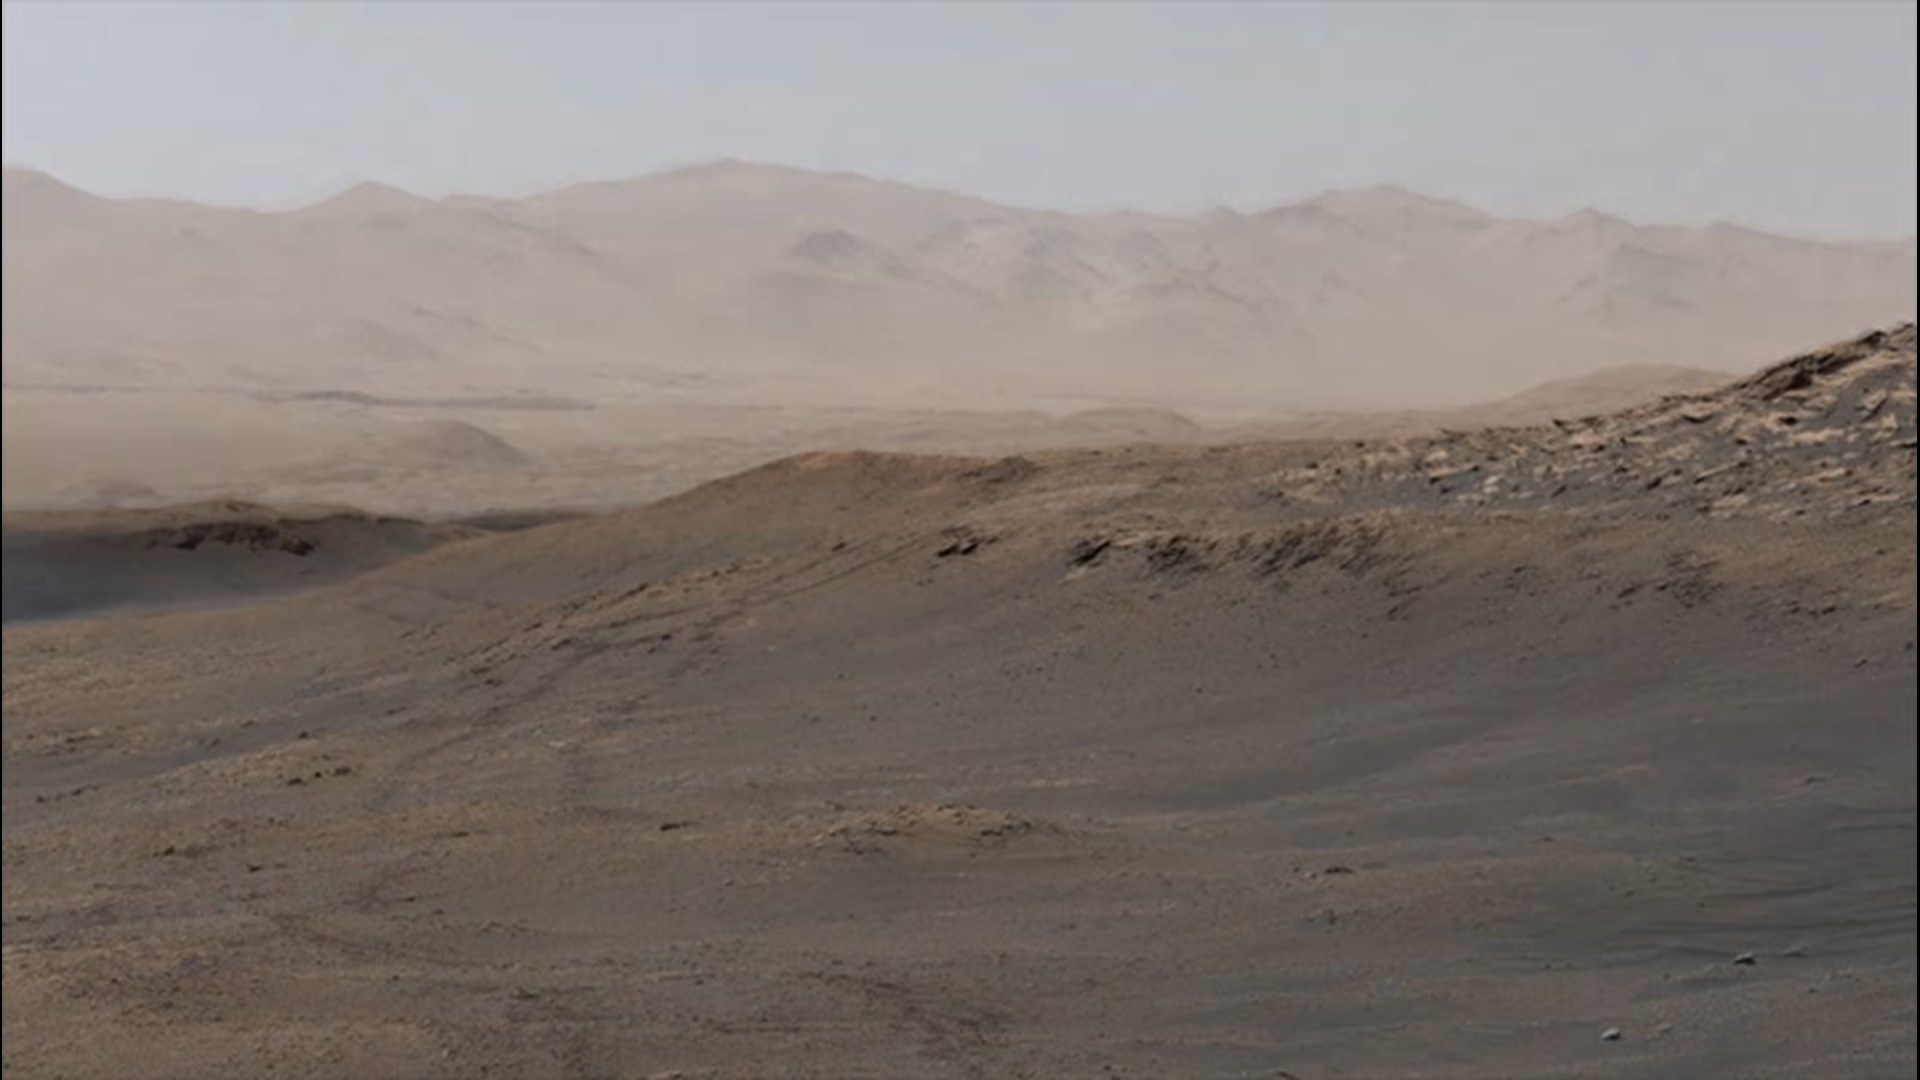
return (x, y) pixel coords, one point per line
(1359, 193)
(759, 283)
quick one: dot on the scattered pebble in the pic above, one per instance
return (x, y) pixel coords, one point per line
(1610, 1035)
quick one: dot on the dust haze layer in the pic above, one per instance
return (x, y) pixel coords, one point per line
(455, 457)
(1439, 756)
(613, 343)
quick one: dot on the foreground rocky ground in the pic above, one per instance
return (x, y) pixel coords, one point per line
(1575, 750)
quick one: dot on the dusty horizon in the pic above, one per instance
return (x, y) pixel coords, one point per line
(619, 340)
(371, 186)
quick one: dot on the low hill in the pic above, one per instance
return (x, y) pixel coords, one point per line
(63, 564)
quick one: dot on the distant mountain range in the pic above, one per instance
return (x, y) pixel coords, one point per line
(739, 282)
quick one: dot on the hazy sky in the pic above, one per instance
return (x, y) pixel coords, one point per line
(1799, 118)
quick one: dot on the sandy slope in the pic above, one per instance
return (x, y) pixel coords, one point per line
(1435, 758)
(60, 564)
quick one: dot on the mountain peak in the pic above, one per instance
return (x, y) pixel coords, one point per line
(21, 182)
(1392, 202)
(740, 170)
(726, 166)
(1592, 224)
(1588, 217)
(370, 197)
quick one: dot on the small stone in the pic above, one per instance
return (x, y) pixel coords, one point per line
(1610, 1035)
(1746, 959)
